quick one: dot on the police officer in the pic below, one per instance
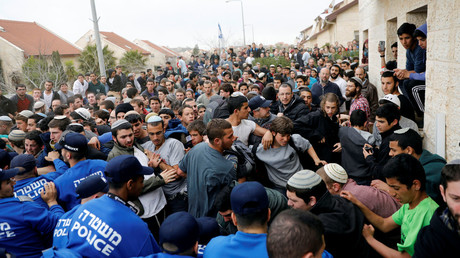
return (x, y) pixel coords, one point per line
(28, 182)
(91, 188)
(73, 148)
(24, 223)
(109, 226)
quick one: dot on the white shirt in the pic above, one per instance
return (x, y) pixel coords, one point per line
(48, 99)
(243, 130)
(80, 88)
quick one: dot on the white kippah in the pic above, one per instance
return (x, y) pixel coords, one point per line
(336, 172)
(304, 179)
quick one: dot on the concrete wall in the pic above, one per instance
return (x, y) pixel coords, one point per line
(12, 59)
(381, 19)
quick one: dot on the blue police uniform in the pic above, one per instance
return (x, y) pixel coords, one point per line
(33, 186)
(23, 224)
(238, 245)
(61, 231)
(68, 182)
(107, 227)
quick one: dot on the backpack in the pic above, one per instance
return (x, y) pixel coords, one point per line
(218, 108)
(244, 158)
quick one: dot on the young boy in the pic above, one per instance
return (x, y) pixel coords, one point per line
(406, 176)
(353, 139)
(197, 131)
(281, 160)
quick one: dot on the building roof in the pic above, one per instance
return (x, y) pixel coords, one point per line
(122, 42)
(34, 39)
(172, 52)
(158, 48)
(342, 9)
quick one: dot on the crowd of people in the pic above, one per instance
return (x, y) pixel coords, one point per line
(228, 159)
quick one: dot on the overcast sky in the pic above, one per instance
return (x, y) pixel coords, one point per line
(173, 23)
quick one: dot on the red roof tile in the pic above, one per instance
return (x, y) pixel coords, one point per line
(167, 52)
(35, 39)
(122, 42)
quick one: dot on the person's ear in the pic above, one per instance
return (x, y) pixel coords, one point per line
(195, 248)
(233, 216)
(417, 185)
(409, 150)
(308, 255)
(443, 193)
(336, 187)
(312, 201)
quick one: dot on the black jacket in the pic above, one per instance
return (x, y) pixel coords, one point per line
(352, 155)
(316, 126)
(381, 155)
(436, 239)
(6, 106)
(295, 109)
(343, 225)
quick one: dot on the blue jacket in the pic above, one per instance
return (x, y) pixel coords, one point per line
(33, 186)
(61, 231)
(68, 182)
(106, 227)
(238, 245)
(419, 58)
(23, 225)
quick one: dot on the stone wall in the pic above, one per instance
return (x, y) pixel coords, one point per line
(382, 18)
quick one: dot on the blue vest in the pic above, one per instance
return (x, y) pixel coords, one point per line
(33, 186)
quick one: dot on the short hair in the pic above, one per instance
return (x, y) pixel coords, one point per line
(407, 28)
(349, 73)
(409, 138)
(282, 125)
(317, 191)
(71, 99)
(227, 87)
(405, 168)
(302, 77)
(102, 114)
(243, 84)
(390, 74)
(108, 104)
(21, 117)
(197, 125)
(50, 81)
(389, 111)
(131, 92)
(134, 118)
(450, 173)
(181, 109)
(35, 136)
(150, 80)
(154, 98)
(167, 111)
(123, 126)
(235, 102)
(286, 85)
(59, 123)
(17, 86)
(394, 45)
(138, 102)
(278, 77)
(358, 117)
(293, 233)
(269, 92)
(36, 118)
(215, 128)
(99, 95)
(252, 219)
(304, 89)
(43, 124)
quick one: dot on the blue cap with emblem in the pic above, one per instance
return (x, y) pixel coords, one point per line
(73, 142)
(8, 173)
(179, 232)
(25, 161)
(124, 167)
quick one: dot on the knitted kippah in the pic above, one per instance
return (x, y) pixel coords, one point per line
(336, 172)
(17, 135)
(304, 179)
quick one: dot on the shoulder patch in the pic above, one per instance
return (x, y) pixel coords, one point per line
(25, 198)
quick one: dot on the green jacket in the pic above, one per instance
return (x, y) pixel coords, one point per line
(433, 164)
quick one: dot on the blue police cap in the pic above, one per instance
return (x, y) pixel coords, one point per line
(25, 161)
(248, 198)
(257, 102)
(124, 167)
(73, 142)
(92, 185)
(209, 229)
(8, 173)
(180, 231)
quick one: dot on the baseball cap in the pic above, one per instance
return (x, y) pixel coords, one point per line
(180, 231)
(124, 167)
(257, 102)
(390, 98)
(8, 173)
(92, 185)
(304, 179)
(17, 135)
(26, 113)
(248, 198)
(72, 142)
(208, 229)
(39, 104)
(84, 113)
(336, 172)
(25, 161)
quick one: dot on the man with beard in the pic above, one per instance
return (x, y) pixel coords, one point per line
(358, 101)
(319, 89)
(291, 106)
(337, 79)
(441, 237)
(369, 91)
